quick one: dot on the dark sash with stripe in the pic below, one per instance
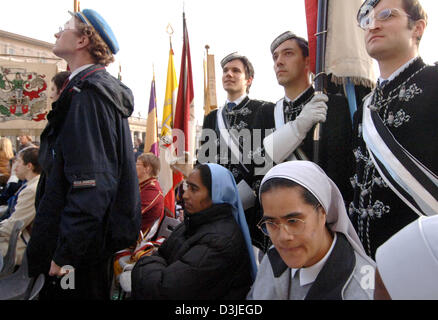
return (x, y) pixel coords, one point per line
(415, 184)
(231, 141)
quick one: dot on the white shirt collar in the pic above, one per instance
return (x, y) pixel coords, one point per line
(238, 101)
(398, 71)
(299, 96)
(308, 275)
(76, 72)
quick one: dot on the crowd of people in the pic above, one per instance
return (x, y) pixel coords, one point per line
(261, 222)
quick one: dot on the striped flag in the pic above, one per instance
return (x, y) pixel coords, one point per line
(184, 122)
(151, 143)
(169, 100)
(166, 175)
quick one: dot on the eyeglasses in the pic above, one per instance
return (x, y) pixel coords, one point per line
(62, 29)
(293, 226)
(368, 21)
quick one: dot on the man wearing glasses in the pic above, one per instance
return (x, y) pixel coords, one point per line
(395, 128)
(88, 203)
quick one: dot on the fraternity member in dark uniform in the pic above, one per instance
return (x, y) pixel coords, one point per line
(294, 116)
(227, 137)
(88, 202)
(396, 144)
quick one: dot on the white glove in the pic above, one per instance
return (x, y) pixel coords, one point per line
(247, 195)
(282, 142)
(313, 112)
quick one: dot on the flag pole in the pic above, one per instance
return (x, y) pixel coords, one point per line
(321, 76)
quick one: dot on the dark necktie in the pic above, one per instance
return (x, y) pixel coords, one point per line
(231, 105)
(287, 105)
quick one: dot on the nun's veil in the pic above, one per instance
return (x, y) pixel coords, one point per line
(224, 190)
(310, 176)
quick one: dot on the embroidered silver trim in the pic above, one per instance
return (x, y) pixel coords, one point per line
(240, 112)
(240, 126)
(408, 95)
(400, 118)
(369, 208)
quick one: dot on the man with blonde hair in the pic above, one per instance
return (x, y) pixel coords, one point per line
(88, 203)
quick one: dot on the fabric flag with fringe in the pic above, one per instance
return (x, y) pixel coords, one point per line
(151, 143)
(351, 66)
(166, 175)
(353, 61)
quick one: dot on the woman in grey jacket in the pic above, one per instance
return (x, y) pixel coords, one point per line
(316, 253)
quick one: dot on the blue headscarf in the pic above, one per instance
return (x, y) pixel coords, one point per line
(224, 190)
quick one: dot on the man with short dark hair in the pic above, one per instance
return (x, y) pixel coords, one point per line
(88, 202)
(228, 132)
(294, 116)
(22, 205)
(395, 141)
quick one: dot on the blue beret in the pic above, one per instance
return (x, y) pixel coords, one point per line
(366, 8)
(92, 18)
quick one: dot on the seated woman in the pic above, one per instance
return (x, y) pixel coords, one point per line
(209, 255)
(152, 213)
(316, 253)
(152, 200)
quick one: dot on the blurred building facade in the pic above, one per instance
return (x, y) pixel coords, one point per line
(20, 51)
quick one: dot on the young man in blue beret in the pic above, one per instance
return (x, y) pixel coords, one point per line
(395, 140)
(88, 203)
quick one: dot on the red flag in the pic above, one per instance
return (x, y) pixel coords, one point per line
(312, 20)
(184, 111)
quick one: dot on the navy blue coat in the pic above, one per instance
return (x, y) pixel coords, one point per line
(205, 258)
(88, 202)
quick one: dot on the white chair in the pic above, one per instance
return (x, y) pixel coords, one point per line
(167, 226)
(19, 286)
